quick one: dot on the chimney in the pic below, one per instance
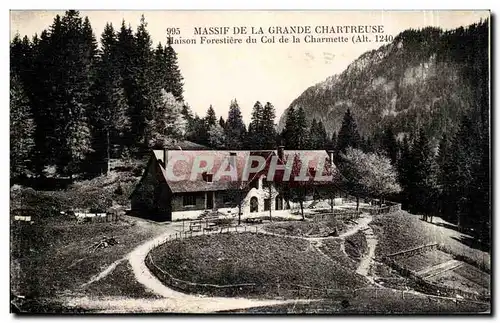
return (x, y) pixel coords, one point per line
(232, 159)
(281, 152)
(165, 155)
(331, 153)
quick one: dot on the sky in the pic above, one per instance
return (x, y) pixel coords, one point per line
(277, 73)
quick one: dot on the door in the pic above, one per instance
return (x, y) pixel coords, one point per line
(254, 204)
(210, 200)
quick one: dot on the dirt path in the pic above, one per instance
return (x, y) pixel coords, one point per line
(174, 301)
(362, 223)
(179, 302)
(367, 260)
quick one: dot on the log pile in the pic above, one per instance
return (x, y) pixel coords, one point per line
(105, 242)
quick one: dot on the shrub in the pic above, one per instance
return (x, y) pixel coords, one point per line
(356, 245)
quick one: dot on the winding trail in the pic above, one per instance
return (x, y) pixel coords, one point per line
(178, 302)
(365, 265)
(362, 224)
(187, 303)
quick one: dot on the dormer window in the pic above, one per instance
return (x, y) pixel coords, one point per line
(207, 177)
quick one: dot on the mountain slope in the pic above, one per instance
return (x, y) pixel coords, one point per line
(423, 78)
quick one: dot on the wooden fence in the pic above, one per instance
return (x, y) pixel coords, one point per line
(413, 251)
(394, 207)
(98, 218)
(433, 288)
(291, 290)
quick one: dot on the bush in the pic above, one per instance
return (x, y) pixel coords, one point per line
(356, 245)
(223, 222)
(44, 204)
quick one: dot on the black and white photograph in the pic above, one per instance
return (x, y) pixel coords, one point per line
(250, 162)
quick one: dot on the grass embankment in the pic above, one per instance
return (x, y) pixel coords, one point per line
(356, 245)
(382, 302)
(332, 249)
(121, 282)
(402, 231)
(229, 259)
(307, 228)
(54, 258)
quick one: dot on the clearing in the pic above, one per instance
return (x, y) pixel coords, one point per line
(267, 261)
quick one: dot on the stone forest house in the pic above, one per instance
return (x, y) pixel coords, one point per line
(160, 197)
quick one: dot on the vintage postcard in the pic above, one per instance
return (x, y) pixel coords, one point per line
(284, 162)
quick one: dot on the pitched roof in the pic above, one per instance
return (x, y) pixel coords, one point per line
(223, 163)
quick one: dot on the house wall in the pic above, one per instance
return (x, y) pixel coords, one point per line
(180, 212)
(143, 198)
(151, 199)
(177, 203)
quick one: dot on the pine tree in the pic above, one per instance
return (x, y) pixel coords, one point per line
(390, 145)
(318, 138)
(442, 159)
(289, 133)
(21, 129)
(234, 128)
(126, 58)
(211, 118)
(174, 78)
(348, 135)
(459, 169)
(313, 140)
(405, 171)
(147, 87)
(40, 85)
(187, 114)
(255, 138)
(423, 188)
(222, 122)
(268, 127)
(109, 118)
(302, 133)
(160, 65)
(73, 52)
(197, 131)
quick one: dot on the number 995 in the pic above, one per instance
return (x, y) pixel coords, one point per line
(173, 31)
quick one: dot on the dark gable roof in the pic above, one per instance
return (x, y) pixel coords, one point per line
(187, 145)
(186, 158)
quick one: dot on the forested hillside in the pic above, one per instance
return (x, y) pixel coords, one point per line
(425, 78)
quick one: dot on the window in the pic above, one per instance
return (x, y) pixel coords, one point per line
(227, 199)
(266, 183)
(207, 177)
(189, 200)
(279, 203)
(267, 204)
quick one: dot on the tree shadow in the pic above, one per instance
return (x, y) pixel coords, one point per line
(446, 225)
(473, 243)
(43, 183)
